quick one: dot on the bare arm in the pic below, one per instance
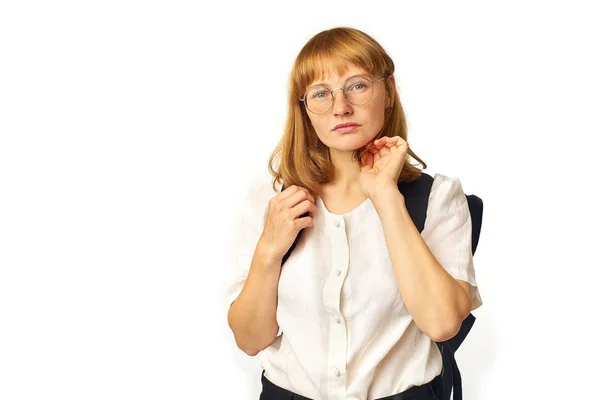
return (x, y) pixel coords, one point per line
(438, 302)
(252, 316)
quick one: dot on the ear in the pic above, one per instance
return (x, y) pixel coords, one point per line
(391, 93)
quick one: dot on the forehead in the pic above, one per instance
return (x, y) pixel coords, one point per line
(335, 74)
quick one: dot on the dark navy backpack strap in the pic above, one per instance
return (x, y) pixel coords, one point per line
(416, 198)
(476, 210)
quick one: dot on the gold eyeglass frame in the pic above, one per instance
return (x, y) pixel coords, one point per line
(303, 98)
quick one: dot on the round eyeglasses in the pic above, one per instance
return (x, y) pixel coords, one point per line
(357, 90)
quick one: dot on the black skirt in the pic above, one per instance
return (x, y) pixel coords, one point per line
(428, 391)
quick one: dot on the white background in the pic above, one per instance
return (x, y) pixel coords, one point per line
(130, 132)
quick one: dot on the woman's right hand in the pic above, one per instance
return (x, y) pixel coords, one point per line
(284, 221)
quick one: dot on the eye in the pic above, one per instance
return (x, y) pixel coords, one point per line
(357, 86)
(321, 94)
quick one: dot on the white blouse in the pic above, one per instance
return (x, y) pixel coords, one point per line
(344, 330)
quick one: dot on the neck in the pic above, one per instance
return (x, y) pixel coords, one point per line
(347, 172)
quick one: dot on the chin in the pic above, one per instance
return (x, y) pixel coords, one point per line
(353, 141)
(348, 146)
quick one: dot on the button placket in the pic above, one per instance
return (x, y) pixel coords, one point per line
(338, 338)
(337, 224)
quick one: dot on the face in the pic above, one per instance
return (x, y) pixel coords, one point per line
(368, 117)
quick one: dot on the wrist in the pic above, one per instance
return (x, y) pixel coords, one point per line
(386, 194)
(267, 254)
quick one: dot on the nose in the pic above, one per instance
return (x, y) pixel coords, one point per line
(341, 105)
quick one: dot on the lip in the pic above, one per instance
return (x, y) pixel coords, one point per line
(346, 128)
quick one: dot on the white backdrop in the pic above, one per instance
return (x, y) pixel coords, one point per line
(131, 131)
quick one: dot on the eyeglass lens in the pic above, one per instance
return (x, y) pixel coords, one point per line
(357, 91)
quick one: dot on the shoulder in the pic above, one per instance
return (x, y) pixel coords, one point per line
(447, 191)
(258, 195)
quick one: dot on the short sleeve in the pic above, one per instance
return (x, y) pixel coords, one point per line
(250, 226)
(448, 232)
(249, 229)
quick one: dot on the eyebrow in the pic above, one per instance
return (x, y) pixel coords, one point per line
(347, 79)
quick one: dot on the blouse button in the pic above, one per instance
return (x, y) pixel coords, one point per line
(337, 319)
(336, 372)
(338, 272)
(337, 223)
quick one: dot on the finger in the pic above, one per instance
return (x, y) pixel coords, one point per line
(395, 149)
(391, 142)
(387, 142)
(377, 145)
(385, 151)
(376, 157)
(400, 141)
(385, 148)
(290, 192)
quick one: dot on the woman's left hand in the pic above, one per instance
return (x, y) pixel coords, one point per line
(381, 165)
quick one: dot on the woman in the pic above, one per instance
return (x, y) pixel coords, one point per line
(355, 310)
